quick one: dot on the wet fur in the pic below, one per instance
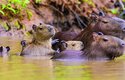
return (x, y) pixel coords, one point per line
(41, 43)
(74, 45)
(95, 47)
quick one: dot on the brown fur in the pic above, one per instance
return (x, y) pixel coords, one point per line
(74, 45)
(41, 43)
(67, 45)
(96, 45)
(110, 26)
(66, 35)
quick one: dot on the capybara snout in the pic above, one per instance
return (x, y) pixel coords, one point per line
(122, 43)
(109, 45)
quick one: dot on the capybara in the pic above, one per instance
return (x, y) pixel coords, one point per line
(4, 51)
(74, 45)
(59, 45)
(66, 35)
(96, 46)
(107, 25)
(110, 26)
(41, 42)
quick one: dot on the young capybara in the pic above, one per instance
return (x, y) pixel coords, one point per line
(61, 45)
(96, 46)
(41, 42)
(74, 45)
(110, 26)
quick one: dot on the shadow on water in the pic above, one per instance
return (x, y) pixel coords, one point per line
(21, 68)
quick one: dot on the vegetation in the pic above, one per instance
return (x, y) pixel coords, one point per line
(13, 6)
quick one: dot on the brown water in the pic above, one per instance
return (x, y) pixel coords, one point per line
(20, 68)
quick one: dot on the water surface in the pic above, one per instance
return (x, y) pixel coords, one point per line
(21, 68)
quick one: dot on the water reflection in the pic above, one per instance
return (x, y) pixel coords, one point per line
(21, 68)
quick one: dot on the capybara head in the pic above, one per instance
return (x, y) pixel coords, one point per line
(4, 51)
(104, 46)
(74, 45)
(59, 45)
(43, 31)
(110, 26)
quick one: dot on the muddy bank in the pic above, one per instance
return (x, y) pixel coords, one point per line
(64, 15)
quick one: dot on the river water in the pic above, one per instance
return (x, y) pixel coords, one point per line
(22, 68)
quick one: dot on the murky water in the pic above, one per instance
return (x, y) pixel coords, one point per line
(20, 68)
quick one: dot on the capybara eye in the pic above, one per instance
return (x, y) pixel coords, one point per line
(73, 44)
(100, 33)
(40, 28)
(104, 20)
(105, 40)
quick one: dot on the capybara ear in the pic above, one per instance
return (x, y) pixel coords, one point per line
(1, 48)
(23, 43)
(64, 44)
(8, 48)
(100, 33)
(95, 36)
(101, 13)
(34, 27)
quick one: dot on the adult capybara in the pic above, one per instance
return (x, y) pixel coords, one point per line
(66, 35)
(107, 25)
(110, 26)
(109, 45)
(96, 46)
(41, 43)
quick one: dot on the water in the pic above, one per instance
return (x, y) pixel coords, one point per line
(21, 68)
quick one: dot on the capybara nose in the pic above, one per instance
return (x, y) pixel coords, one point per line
(123, 44)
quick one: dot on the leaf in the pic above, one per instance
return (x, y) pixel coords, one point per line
(123, 0)
(24, 3)
(3, 6)
(114, 11)
(11, 9)
(2, 12)
(29, 14)
(38, 1)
